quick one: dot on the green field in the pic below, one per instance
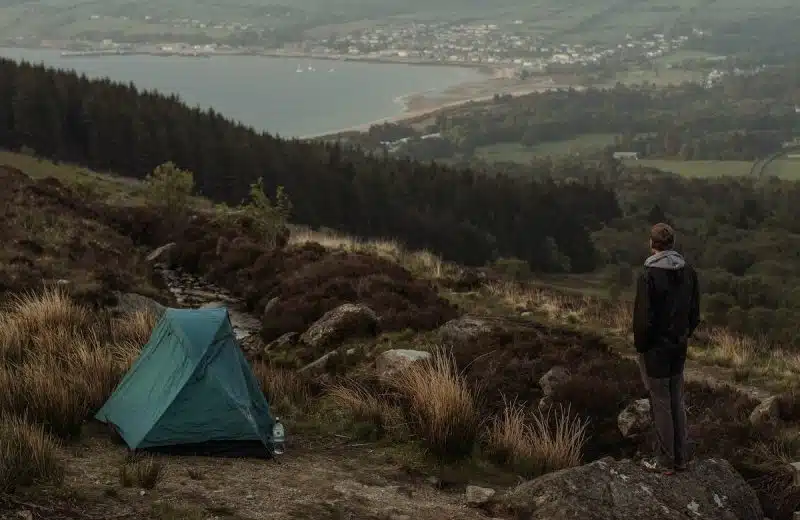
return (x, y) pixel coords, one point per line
(662, 77)
(783, 168)
(516, 152)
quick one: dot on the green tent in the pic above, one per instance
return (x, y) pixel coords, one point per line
(191, 391)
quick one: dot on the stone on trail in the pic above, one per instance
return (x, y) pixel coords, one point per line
(608, 488)
(464, 330)
(344, 322)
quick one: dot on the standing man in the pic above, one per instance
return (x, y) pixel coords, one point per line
(666, 312)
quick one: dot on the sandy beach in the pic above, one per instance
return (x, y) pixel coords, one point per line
(420, 106)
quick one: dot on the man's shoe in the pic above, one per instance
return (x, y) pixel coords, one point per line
(658, 465)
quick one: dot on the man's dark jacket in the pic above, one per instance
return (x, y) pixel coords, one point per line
(666, 312)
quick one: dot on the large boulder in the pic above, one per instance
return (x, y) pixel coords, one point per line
(608, 489)
(346, 321)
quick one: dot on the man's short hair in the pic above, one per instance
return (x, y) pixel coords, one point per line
(662, 237)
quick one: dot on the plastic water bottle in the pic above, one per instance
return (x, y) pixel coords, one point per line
(277, 437)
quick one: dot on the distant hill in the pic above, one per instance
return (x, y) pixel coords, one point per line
(577, 20)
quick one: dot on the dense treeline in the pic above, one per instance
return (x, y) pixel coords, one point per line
(743, 234)
(464, 215)
(743, 117)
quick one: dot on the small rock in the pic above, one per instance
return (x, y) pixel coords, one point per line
(433, 481)
(554, 378)
(393, 361)
(478, 495)
(142, 493)
(635, 418)
(768, 412)
(271, 306)
(27, 515)
(795, 466)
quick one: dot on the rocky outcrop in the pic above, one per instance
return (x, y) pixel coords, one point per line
(393, 361)
(346, 321)
(634, 420)
(608, 488)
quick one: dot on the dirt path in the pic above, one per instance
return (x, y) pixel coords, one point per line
(333, 483)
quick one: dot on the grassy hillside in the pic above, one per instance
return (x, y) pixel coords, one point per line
(354, 436)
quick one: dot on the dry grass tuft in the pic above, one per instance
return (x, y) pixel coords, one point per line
(549, 442)
(732, 350)
(59, 362)
(363, 406)
(440, 405)
(508, 438)
(285, 389)
(136, 327)
(28, 455)
(145, 472)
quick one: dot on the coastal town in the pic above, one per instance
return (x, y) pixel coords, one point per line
(485, 44)
(510, 45)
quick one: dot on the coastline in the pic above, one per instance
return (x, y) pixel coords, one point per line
(431, 106)
(497, 79)
(148, 50)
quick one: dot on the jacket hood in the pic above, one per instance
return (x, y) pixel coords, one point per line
(671, 260)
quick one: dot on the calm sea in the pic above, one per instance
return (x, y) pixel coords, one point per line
(288, 96)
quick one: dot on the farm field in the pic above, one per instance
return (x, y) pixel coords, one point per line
(788, 169)
(516, 152)
(783, 168)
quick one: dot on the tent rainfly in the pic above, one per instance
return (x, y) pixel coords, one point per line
(191, 391)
